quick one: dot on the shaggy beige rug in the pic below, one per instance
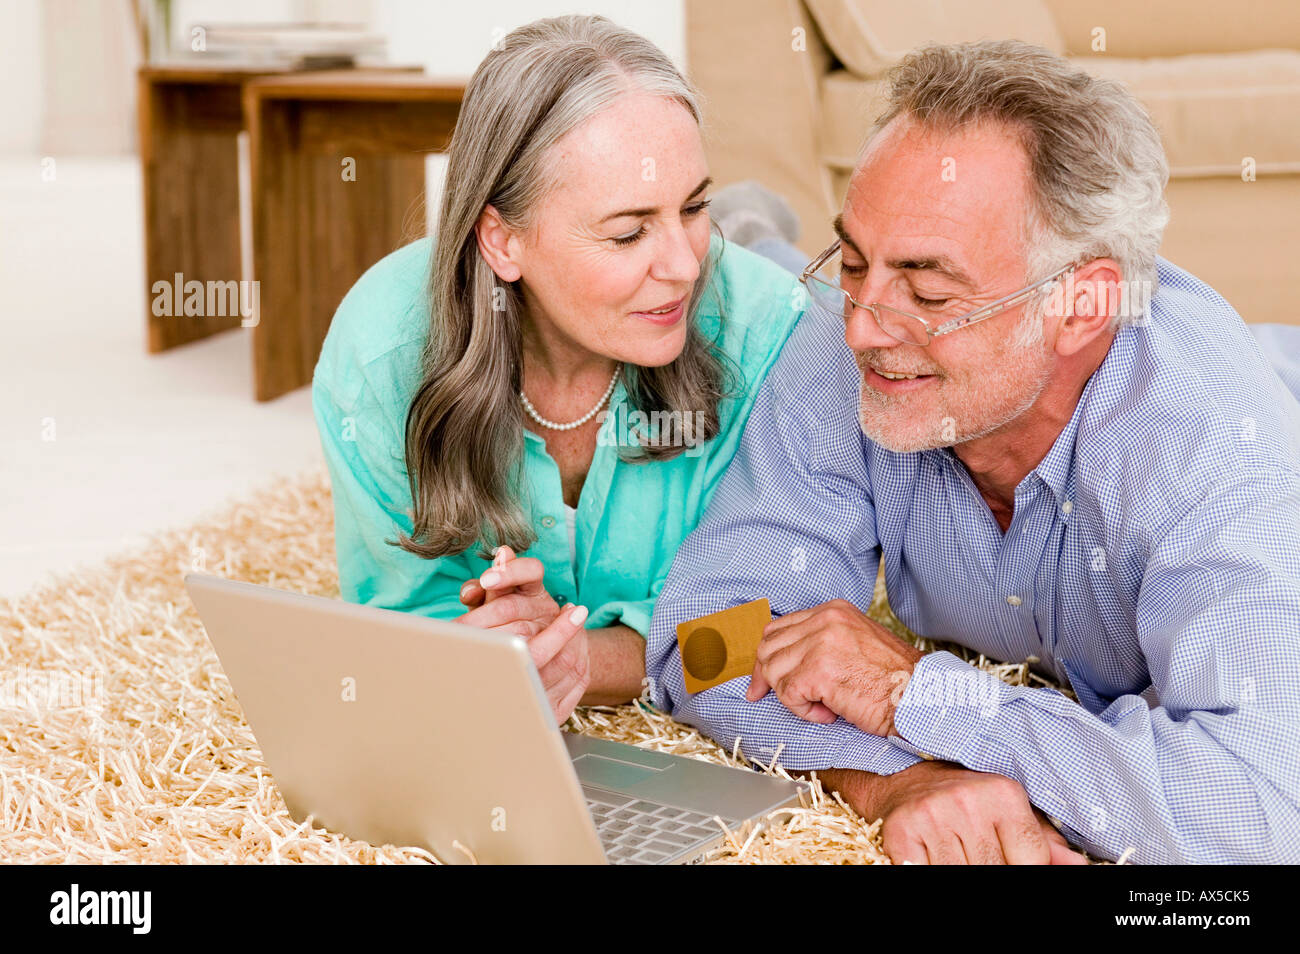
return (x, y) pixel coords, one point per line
(121, 740)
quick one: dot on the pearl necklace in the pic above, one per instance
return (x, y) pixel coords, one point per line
(532, 411)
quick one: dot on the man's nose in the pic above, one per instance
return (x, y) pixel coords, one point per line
(861, 333)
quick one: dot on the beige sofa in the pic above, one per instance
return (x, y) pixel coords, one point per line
(791, 88)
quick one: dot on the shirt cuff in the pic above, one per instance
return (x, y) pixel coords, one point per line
(871, 753)
(635, 615)
(947, 703)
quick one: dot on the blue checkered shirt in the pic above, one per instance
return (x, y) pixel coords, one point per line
(1152, 563)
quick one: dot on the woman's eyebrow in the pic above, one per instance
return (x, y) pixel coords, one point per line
(639, 213)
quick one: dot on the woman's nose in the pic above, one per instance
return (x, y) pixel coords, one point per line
(676, 260)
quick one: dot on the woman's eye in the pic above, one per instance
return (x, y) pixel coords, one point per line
(629, 238)
(697, 208)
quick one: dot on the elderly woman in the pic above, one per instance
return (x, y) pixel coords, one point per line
(564, 372)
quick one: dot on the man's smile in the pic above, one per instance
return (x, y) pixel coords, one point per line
(894, 382)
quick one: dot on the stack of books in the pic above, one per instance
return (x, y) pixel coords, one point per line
(292, 46)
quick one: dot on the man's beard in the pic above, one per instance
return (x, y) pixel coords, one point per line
(980, 405)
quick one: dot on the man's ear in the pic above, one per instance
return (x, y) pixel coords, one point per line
(1091, 296)
(498, 244)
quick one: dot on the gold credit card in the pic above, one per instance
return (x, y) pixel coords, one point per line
(722, 645)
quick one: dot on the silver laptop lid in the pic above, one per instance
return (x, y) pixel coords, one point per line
(351, 705)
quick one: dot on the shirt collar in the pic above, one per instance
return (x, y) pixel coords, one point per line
(1056, 469)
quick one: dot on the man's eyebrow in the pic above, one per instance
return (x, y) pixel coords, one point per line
(641, 213)
(843, 233)
(935, 263)
(940, 264)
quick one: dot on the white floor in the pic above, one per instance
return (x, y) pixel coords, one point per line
(139, 442)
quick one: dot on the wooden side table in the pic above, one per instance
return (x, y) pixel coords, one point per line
(314, 229)
(337, 180)
(190, 117)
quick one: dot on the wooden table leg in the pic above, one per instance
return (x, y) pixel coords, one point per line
(318, 224)
(189, 164)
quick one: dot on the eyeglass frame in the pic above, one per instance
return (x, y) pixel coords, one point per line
(949, 326)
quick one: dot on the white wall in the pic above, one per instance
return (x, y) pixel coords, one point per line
(21, 77)
(451, 36)
(446, 36)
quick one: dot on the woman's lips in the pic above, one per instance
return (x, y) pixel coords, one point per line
(665, 318)
(880, 383)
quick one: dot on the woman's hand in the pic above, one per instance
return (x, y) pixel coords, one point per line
(472, 593)
(510, 596)
(562, 656)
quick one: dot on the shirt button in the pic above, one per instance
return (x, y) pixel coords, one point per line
(1067, 506)
(548, 522)
(1013, 600)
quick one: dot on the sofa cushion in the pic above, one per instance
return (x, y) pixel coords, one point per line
(850, 106)
(1213, 110)
(1174, 27)
(869, 36)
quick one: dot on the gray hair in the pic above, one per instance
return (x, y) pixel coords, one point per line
(1097, 167)
(464, 429)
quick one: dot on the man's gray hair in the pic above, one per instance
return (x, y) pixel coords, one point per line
(1097, 166)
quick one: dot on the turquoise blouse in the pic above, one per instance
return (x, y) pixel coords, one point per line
(631, 517)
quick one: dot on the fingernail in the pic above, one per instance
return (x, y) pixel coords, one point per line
(464, 589)
(498, 556)
(578, 615)
(491, 578)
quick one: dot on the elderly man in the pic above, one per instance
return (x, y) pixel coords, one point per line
(1106, 486)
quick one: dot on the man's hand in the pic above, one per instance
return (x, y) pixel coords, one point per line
(941, 813)
(831, 661)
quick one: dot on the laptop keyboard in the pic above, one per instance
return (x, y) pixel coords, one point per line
(637, 832)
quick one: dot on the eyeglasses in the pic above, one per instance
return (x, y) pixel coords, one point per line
(902, 325)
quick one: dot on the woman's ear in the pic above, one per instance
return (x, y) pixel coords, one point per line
(497, 244)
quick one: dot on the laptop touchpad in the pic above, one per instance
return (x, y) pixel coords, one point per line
(611, 773)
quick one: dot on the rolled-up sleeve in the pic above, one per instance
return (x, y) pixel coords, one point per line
(634, 614)
(372, 502)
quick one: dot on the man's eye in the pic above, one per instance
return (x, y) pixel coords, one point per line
(629, 238)
(930, 302)
(853, 271)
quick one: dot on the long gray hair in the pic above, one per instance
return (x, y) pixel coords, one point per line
(464, 429)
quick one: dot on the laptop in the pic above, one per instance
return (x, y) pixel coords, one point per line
(400, 729)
